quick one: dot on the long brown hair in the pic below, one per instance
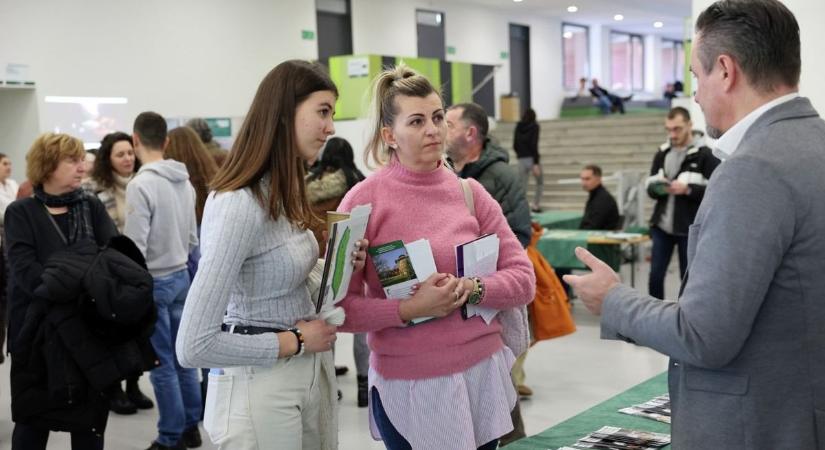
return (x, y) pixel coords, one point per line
(267, 143)
(392, 82)
(185, 146)
(102, 172)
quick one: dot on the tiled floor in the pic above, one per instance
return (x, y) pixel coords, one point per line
(568, 375)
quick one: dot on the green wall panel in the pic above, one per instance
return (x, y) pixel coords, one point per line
(353, 83)
(429, 67)
(353, 75)
(462, 82)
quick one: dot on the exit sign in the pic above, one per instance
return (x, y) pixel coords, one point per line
(504, 55)
(307, 35)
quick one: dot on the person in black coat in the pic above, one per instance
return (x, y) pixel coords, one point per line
(601, 211)
(59, 214)
(526, 146)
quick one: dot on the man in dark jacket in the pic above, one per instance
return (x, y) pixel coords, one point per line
(608, 101)
(474, 156)
(680, 171)
(600, 211)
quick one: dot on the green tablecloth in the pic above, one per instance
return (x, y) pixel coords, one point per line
(565, 220)
(604, 414)
(557, 246)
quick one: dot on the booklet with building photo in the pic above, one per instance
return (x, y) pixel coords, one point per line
(400, 266)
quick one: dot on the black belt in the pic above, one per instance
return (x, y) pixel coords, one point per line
(242, 329)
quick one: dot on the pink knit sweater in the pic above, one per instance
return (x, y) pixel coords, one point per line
(408, 206)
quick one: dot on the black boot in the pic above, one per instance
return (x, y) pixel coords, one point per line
(119, 403)
(363, 391)
(136, 397)
(191, 438)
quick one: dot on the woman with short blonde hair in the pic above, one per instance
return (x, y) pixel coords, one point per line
(59, 215)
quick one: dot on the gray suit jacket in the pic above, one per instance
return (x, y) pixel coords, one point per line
(747, 337)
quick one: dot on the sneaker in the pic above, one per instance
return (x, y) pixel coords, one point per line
(524, 391)
(156, 446)
(120, 404)
(139, 400)
(191, 438)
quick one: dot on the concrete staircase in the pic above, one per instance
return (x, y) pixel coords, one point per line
(567, 145)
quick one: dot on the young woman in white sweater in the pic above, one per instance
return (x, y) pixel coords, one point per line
(249, 311)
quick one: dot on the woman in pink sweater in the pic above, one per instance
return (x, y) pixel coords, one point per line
(443, 383)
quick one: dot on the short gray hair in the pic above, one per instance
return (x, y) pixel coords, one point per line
(762, 36)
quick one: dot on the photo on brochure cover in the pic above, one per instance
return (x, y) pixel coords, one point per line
(392, 263)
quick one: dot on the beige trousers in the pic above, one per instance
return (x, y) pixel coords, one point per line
(261, 408)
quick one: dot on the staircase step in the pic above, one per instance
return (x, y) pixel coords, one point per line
(566, 145)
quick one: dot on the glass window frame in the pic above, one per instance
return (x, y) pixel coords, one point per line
(575, 81)
(631, 37)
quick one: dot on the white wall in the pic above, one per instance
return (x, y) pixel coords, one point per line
(180, 58)
(810, 15)
(479, 34)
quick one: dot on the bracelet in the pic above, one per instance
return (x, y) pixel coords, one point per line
(478, 292)
(300, 337)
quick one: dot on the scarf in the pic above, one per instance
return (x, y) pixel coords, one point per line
(80, 216)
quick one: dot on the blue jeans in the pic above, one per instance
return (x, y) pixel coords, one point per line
(605, 104)
(177, 390)
(663, 244)
(390, 435)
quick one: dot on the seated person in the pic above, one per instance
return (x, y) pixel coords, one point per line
(601, 211)
(608, 102)
(670, 92)
(582, 92)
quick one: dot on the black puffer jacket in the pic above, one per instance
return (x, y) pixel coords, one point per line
(87, 328)
(502, 181)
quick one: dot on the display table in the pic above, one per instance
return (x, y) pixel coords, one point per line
(605, 413)
(558, 248)
(565, 220)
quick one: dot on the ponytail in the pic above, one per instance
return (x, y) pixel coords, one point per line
(392, 82)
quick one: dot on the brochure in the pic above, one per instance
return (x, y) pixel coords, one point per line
(615, 438)
(338, 259)
(657, 409)
(400, 266)
(478, 258)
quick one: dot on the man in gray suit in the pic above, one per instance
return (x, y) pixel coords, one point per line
(747, 336)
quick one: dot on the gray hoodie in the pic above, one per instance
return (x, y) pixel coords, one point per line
(160, 216)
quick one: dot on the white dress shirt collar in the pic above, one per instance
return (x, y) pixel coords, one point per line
(729, 142)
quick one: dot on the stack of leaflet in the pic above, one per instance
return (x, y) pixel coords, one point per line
(615, 438)
(401, 266)
(338, 261)
(478, 258)
(657, 409)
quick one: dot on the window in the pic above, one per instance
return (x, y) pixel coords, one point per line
(627, 61)
(575, 54)
(431, 40)
(673, 61)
